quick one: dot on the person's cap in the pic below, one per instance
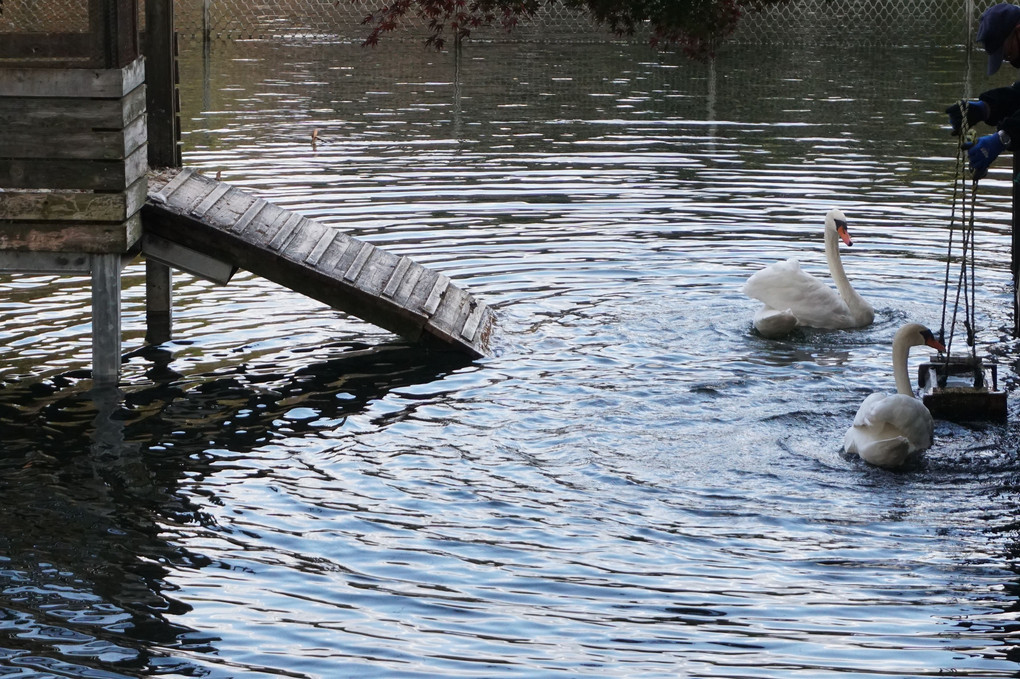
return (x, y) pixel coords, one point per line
(997, 22)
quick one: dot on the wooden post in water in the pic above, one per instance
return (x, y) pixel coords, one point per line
(106, 318)
(164, 149)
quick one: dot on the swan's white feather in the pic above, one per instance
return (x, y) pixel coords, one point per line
(888, 428)
(774, 322)
(784, 285)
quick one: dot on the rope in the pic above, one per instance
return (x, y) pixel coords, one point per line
(965, 281)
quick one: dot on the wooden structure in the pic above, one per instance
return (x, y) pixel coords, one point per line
(73, 149)
(210, 229)
(961, 389)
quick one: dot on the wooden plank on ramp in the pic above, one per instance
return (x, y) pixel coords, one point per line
(241, 230)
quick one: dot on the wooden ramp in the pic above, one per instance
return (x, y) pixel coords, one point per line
(211, 229)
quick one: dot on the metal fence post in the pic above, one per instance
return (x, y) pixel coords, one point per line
(206, 27)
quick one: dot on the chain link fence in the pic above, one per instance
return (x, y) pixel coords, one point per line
(33, 16)
(836, 23)
(802, 22)
(880, 23)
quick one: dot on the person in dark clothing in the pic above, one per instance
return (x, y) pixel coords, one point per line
(999, 34)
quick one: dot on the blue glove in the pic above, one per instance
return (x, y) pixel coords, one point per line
(975, 112)
(983, 152)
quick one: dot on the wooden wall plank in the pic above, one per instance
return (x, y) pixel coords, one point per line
(55, 142)
(93, 175)
(67, 112)
(119, 36)
(16, 261)
(60, 50)
(83, 206)
(71, 237)
(78, 82)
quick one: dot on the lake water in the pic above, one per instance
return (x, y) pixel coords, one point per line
(633, 484)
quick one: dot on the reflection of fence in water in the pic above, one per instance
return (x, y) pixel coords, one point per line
(569, 75)
(801, 22)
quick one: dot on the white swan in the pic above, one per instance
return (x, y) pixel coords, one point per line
(794, 298)
(889, 427)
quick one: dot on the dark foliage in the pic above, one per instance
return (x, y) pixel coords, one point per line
(694, 26)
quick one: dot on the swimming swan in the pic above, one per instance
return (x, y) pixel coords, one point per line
(794, 298)
(889, 427)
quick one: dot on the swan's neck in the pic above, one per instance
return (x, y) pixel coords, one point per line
(846, 291)
(900, 351)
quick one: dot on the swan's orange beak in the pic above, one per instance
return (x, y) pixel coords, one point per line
(843, 233)
(929, 339)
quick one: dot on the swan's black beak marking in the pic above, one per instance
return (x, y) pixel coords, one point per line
(930, 340)
(843, 233)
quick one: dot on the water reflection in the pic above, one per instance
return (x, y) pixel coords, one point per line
(83, 567)
(91, 483)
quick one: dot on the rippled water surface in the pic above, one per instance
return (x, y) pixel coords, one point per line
(633, 484)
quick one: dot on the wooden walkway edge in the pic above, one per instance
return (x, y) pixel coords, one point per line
(216, 228)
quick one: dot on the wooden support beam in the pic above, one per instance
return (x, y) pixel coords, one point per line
(158, 302)
(114, 29)
(186, 259)
(161, 81)
(13, 261)
(106, 318)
